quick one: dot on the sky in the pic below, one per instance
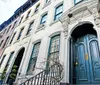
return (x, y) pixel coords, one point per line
(8, 7)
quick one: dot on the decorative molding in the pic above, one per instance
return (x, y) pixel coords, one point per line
(96, 16)
(78, 12)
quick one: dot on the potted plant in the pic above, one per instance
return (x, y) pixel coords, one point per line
(3, 75)
(13, 74)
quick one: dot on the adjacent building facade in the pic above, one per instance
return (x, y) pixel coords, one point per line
(67, 30)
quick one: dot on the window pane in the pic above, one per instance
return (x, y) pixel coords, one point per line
(54, 49)
(21, 20)
(28, 14)
(43, 19)
(2, 60)
(20, 34)
(59, 9)
(37, 8)
(77, 1)
(33, 58)
(11, 55)
(58, 16)
(30, 28)
(58, 12)
(12, 38)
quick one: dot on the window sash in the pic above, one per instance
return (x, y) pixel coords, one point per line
(37, 8)
(47, 1)
(54, 49)
(33, 58)
(11, 55)
(20, 19)
(28, 14)
(77, 1)
(12, 38)
(19, 36)
(1, 43)
(30, 28)
(2, 60)
(43, 19)
(58, 12)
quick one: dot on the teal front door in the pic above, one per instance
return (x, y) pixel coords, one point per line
(86, 60)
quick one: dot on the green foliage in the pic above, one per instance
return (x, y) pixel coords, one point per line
(3, 75)
(12, 76)
(13, 72)
(15, 66)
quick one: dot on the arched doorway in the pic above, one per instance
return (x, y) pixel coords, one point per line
(15, 67)
(84, 56)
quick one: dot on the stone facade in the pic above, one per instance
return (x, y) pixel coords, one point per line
(72, 17)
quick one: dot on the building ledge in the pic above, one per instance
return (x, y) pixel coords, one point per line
(46, 4)
(40, 27)
(83, 6)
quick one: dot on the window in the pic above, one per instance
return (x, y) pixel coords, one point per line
(9, 60)
(11, 55)
(14, 24)
(54, 49)
(43, 19)
(33, 58)
(8, 29)
(5, 43)
(37, 8)
(21, 19)
(20, 34)
(47, 1)
(58, 12)
(30, 27)
(12, 38)
(28, 14)
(2, 60)
(77, 1)
(4, 31)
(1, 42)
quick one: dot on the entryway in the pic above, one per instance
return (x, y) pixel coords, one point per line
(84, 56)
(15, 67)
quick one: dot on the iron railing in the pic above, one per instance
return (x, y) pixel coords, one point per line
(50, 76)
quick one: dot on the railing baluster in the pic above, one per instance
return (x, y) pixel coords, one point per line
(46, 77)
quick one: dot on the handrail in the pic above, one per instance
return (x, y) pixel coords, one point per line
(50, 76)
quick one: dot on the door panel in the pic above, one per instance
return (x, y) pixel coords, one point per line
(95, 56)
(82, 65)
(87, 60)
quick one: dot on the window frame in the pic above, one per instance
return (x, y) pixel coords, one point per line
(78, 2)
(21, 31)
(30, 27)
(55, 15)
(5, 42)
(1, 43)
(15, 24)
(28, 14)
(2, 60)
(42, 17)
(21, 19)
(31, 57)
(37, 8)
(12, 38)
(47, 1)
(49, 49)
